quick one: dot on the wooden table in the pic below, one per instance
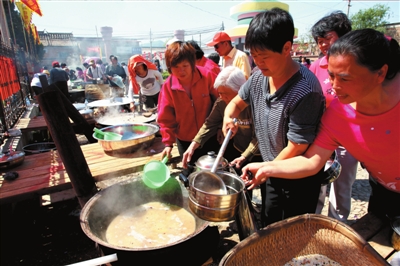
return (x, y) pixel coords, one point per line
(38, 123)
(28, 125)
(377, 232)
(44, 173)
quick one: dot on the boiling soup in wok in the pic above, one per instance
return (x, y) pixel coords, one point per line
(152, 224)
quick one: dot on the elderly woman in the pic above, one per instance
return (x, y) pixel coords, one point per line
(244, 144)
(185, 100)
(363, 66)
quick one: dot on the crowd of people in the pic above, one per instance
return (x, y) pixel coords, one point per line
(287, 117)
(292, 116)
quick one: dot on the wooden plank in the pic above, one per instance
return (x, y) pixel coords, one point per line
(377, 232)
(381, 242)
(368, 226)
(38, 123)
(44, 173)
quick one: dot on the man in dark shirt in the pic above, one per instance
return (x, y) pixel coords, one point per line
(118, 88)
(59, 78)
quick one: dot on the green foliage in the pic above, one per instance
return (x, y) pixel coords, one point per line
(373, 18)
(165, 74)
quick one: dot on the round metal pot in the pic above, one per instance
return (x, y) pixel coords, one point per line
(216, 207)
(140, 136)
(11, 159)
(39, 147)
(103, 207)
(206, 162)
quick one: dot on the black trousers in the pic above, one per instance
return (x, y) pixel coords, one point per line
(382, 201)
(151, 101)
(37, 90)
(284, 198)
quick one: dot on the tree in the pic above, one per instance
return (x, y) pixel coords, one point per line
(373, 18)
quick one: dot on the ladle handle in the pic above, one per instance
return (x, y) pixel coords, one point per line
(222, 149)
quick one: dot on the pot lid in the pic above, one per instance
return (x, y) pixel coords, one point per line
(206, 162)
(11, 156)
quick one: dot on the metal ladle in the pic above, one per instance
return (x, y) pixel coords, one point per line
(210, 181)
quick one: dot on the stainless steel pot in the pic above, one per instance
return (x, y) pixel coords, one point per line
(206, 162)
(215, 207)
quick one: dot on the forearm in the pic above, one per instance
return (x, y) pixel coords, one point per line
(293, 168)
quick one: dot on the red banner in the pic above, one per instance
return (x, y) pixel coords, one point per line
(33, 5)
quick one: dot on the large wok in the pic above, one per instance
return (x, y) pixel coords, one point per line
(102, 208)
(124, 118)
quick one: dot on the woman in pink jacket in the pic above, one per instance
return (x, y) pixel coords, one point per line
(185, 100)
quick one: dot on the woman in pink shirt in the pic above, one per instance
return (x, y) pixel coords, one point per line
(327, 31)
(363, 68)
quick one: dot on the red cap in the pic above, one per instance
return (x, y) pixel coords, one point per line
(55, 63)
(219, 37)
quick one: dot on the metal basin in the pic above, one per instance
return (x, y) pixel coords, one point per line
(39, 147)
(134, 136)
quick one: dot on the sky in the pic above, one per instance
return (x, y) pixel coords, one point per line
(132, 18)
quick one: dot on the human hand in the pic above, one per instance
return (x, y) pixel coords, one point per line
(166, 152)
(252, 175)
(229, 123)
(238, 161)
(132, 108)
(220, 136)
(187, 156)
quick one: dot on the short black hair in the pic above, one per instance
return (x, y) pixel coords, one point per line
(214, 57)
(199, 51)
(63, 64)
(337, 21)
(270, 30)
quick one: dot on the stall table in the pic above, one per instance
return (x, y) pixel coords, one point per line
(44, 173)
(38, 123)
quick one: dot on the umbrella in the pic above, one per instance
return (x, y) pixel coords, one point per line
(87, 60)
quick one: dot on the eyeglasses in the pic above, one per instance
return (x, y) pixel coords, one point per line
(217, 45)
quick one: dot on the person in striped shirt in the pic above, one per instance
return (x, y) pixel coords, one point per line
(287, 104)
